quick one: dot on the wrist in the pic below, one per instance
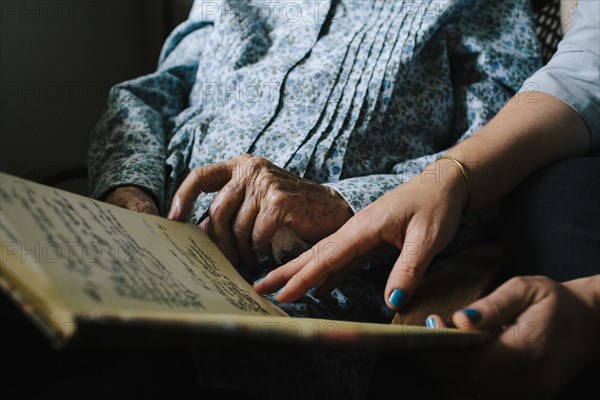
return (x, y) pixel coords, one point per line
(452, 177)
(133, 198)
(340, 203)
(133, 189)
(587, 290)
(593, 286)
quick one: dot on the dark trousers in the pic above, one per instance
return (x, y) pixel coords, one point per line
(551, 222)
(551, 226)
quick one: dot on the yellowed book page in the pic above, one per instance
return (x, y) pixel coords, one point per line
(77, 259)
(104, 259)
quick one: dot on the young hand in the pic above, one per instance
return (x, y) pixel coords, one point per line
(548, 332)
(419, 217)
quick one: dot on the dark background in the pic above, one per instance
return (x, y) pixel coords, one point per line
(58, 59)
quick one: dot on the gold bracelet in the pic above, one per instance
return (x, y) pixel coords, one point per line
(465, 175)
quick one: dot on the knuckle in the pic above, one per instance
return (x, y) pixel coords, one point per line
(256, 238)
(239, 230)
(259, 240)
(248, 169)
(280, 277)
(520, 283)
(215, 211)
(492, 307)
(327, 265)
(240, 160)
(303, 280)
(412, 271)
(259, 161)
(196, 173)
(276, 198)
(426, 238)
(543, 280)
(264, 184)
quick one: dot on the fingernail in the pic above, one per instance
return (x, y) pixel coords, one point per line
(430, 323)
(473, 315)
(174, 211)
(277, 293)
(398, 298)
(258, 280)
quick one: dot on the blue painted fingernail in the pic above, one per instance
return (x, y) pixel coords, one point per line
(258, 280)
(431, 323)
(473, 315)
(398, 298)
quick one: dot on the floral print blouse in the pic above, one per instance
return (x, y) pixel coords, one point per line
(359, 95)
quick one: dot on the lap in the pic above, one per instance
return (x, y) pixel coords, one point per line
(550, 222)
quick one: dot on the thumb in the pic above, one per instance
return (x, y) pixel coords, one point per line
(209, 178)
(498, 308)
(407, 272)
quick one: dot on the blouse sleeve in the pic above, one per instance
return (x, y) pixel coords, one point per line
(573, 73)
(127, 145)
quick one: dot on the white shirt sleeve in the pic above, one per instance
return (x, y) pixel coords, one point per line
(573, 73)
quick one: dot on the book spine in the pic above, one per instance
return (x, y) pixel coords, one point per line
(57, 335)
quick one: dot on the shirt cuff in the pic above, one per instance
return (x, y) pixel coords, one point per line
(137, 171)
(580, 92)
(361, 191)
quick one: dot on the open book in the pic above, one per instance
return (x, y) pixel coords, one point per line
(85, 270)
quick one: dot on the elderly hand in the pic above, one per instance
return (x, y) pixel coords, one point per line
(548, 331)
(132, 198)
(255, 198)
(419, 217)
